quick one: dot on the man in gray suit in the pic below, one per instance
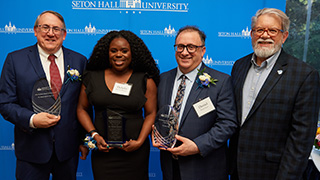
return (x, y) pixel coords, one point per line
(202, 139)
(277, 99)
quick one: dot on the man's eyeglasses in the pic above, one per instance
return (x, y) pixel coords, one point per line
(55, 29)
(190, 48)
(270, 31)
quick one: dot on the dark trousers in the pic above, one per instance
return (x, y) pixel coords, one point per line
(176, 169)
(311, 173)
(65, 170)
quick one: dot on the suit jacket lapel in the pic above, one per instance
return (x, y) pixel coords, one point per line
(168, 90)
(67, 62)
(276, 73)
(241, 77)
(35, 61)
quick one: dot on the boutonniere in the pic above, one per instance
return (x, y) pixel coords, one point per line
(204, 79)
(316, 143)
(73, 74)
(90, 142)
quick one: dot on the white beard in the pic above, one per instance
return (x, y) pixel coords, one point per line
(265, 52)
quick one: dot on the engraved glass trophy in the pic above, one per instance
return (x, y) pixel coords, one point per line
(166, 127)
(43, 99)
(114, 123)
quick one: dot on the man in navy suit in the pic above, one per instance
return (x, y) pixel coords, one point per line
(277, 99)
(44, 143)
(202, 138)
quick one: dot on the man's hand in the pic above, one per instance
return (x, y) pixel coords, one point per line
(84, 152)
(187, 147)
(45, 120)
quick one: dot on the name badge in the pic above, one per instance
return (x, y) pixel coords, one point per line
(203, 107)
(123, 89)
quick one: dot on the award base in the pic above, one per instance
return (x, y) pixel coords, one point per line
(115, 145)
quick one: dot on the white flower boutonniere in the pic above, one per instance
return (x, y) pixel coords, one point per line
(73, 74)
(90, 143)
(205, 79)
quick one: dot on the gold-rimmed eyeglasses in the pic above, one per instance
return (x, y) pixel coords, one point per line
(190, 48)
(270, 31)
(46, 28)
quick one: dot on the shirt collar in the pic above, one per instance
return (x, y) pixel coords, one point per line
(46, 55)
(190, 75)
(267, 63)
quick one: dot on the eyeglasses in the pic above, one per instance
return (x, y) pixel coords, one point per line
(55, 29)
(270, 31)
(190, 48)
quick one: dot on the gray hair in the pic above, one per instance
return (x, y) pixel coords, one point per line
(285, 22)
(54, 13)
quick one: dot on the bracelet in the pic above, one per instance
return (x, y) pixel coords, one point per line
(93, 134)
(92, 131)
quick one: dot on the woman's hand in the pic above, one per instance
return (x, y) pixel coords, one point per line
(131, 145)
(101, 143)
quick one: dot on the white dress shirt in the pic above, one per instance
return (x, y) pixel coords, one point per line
(190, 79)
(46, 67)
(46, 63)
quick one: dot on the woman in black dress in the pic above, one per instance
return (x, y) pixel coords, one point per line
(121, 77)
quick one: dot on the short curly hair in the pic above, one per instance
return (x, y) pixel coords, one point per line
(142, 60)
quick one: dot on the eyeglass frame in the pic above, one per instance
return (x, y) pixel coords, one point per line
(254, 30)
(186, 47)
(54, 28)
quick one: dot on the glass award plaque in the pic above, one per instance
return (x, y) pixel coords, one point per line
(43, 99)
(166, 127)
(114, 134)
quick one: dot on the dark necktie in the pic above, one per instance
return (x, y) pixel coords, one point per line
(55, 79)
(179, 98)
(177, 105)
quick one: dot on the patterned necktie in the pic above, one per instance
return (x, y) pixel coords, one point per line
(55, 79)
(178, 101)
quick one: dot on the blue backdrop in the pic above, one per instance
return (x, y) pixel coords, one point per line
(226, 24)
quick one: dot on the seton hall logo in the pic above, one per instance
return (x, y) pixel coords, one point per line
(245, 33)
(167, 31)
(7, 148)
(209, 62)
(89, 30)
(130, 5)
(12, 29)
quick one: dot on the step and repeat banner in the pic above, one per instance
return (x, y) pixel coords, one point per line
(226, 24)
